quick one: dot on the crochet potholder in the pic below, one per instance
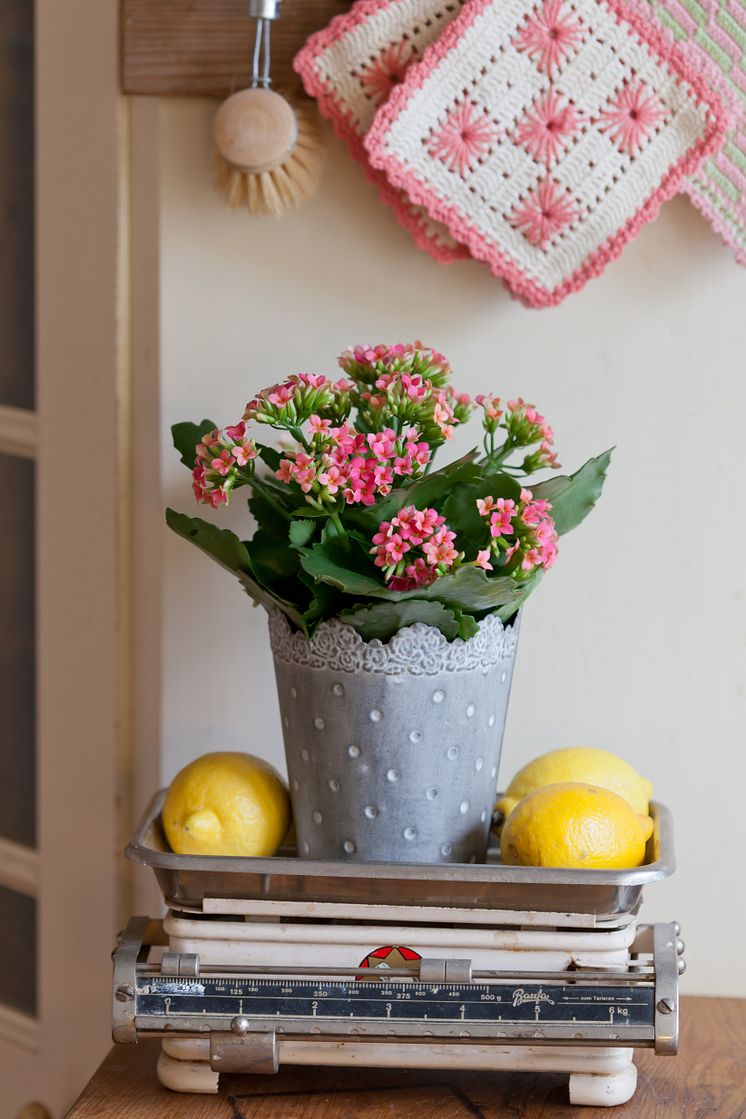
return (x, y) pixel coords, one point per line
(716, 30)
(544, 134)
(351, 66)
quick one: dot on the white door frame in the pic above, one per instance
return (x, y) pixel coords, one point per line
(79, 436)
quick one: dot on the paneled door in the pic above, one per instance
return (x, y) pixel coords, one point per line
(63, 650)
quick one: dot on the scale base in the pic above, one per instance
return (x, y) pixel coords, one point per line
(599, 1077)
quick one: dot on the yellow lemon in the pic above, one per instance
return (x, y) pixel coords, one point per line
(579, 763)
(575, 825)
(226, 804)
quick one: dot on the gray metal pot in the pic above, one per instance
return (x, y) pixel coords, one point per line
(392, 750)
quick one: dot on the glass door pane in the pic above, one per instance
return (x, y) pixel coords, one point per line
(17, 653)
(17, 203)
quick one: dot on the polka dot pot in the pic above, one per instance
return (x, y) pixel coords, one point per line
(392, 750)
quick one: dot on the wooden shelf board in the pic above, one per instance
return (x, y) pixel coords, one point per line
(202, 48)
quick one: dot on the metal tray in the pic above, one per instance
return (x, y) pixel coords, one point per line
(186, 880)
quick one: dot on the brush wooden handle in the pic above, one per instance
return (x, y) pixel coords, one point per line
(254, 130)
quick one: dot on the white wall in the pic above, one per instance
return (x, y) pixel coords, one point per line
(636, 641)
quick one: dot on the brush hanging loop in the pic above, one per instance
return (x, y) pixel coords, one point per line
(268, 153)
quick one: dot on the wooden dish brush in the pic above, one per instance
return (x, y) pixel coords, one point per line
(269, 154)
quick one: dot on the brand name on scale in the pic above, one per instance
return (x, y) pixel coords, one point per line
(521, 997)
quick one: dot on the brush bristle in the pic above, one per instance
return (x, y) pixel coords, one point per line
(289, 184)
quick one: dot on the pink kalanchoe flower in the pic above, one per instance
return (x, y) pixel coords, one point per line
(237, 432)
(305, 471)
(463, 138)
(319, 426)
(427, 521)
(381, 75)
(331, 478)
(420, 572)
(414, 387)
(281, 394)
(632, 116)
(531, 559)
(218, 498)
(534, 512)
(285, 472)
(313, 380)
(550, 35)
(548, 456)
(511, 551)
(439, 549)
(547, 127)
(501, 519)
(483, 560)
(485, 505)
(223, 462)
(491, 406)
(381, 443)
(244, 452)
(544, 212)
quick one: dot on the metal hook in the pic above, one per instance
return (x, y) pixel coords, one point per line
(263, 11)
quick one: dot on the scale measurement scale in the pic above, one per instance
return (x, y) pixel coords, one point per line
(494, 1010)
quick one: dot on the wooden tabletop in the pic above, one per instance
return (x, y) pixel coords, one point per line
(706, 1081)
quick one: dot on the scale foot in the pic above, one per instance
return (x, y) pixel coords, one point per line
(186, 1076)
(592, 1090)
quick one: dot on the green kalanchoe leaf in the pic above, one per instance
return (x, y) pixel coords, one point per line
(186, 436)
(573, 497)
(271, 558)
(301, 532)
(468, 589)
(225, 548)
(270, 456)
(329, 562)
(384, 619)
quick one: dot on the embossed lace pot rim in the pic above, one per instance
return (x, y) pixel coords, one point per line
(393, 749)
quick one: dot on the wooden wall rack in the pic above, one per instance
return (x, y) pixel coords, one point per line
(201, 48)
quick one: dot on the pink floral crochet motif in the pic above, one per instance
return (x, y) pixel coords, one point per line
(380, 76)
(544, 213)
(597, 120)
(546, 129)
(465, 136)
(632, 116)
(552, 33)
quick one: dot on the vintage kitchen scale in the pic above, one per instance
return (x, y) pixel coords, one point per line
(268, 961)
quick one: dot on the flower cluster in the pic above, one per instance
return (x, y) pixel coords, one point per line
(522, 534)
(356, 465)
(224, 460)
(365, 364)
(344, 456)
(524, 426)
(407, 398)
(291, 403)
(414, 548)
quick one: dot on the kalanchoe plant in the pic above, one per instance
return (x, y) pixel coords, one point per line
(352, 519)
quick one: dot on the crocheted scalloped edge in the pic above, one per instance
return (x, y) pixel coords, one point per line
(332, 108)
(416, 650)
(529, 291)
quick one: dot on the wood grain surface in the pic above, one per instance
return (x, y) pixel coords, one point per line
(706, 1081)
(203, 47)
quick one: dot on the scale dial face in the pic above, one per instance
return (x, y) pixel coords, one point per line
(391, 955)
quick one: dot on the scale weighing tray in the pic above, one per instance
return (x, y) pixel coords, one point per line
(478, 892)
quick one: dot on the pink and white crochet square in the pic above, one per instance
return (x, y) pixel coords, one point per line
(351, 66)
(544, 134)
